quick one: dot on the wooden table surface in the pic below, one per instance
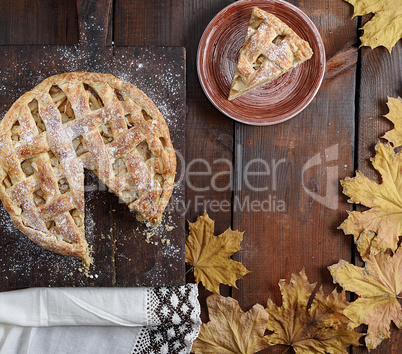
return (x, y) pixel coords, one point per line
(341, 125)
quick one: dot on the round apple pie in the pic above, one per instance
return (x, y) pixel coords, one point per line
(76, 121)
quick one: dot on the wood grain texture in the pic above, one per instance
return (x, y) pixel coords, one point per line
(341, 61)
(157, 22)
(381, 78)
(38, 22)
(210, 131)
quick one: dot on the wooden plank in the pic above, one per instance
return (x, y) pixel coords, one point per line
(212, 132)
(38, 22)
(144, 23)
(304, 235)
(380, 77)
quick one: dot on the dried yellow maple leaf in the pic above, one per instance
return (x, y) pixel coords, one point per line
(379, 286)
(320, 328)
(364, 243)
(230, 330)
(385, 28)
(395, 116)
(210, 255)
(384, 200)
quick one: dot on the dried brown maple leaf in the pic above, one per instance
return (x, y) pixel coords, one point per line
(210, 255)
(384, 218)
(385, 28)
(320, 328)
(230, 330)
(379, 286)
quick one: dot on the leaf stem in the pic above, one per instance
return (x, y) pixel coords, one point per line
(190, 270)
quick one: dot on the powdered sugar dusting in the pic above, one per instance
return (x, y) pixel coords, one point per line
(6, 223)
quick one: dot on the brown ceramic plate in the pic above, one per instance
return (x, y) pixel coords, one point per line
(276, 101)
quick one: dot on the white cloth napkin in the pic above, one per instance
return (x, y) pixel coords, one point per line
(99, 320)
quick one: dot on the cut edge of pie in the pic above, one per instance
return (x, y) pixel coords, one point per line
(76, 121)
(271, 48)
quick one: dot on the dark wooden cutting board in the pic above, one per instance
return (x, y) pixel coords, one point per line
(126, 253)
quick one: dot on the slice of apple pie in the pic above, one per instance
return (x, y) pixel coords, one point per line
(271, 48)
(76, 121)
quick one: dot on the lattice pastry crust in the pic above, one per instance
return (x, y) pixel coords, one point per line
(271, 48)
(74, 121)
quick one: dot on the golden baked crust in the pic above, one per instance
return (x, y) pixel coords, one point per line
(74, 121)
(270, 49)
